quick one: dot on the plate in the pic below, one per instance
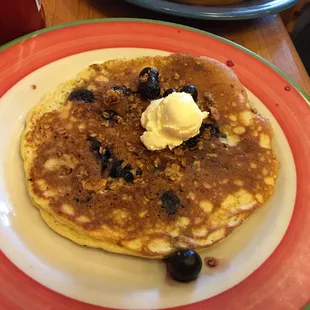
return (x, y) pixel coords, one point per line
(247, 9)
(39, 269)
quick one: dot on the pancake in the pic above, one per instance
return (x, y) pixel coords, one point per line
(96, 184)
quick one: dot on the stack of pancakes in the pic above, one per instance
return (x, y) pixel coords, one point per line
(82, 142)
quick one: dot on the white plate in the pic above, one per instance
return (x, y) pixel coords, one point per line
(111, 280)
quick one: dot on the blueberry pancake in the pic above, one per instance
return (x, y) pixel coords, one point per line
(96, 183)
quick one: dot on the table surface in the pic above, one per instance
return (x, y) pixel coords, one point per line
(266, 36)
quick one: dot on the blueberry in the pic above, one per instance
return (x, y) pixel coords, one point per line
(149, 89)
(94, 146)
(139, 171)
(82, 95)
(125, 90)
(168, 92)
(108, 159)
(190, 89)
(184, 265)
(116, 170)
(108, 114)
(192, 143)
(150, 71)
(214, 130)
(104, 163)
(128, 176)
(105, 159)
(170, 202)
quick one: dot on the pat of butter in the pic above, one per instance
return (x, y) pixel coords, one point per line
(171, 120)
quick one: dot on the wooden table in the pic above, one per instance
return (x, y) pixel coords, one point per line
(265, 36)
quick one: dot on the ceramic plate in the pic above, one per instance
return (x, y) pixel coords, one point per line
(247, 9)
(264, 263)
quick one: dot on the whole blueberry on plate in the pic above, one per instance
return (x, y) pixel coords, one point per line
(184, 265)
